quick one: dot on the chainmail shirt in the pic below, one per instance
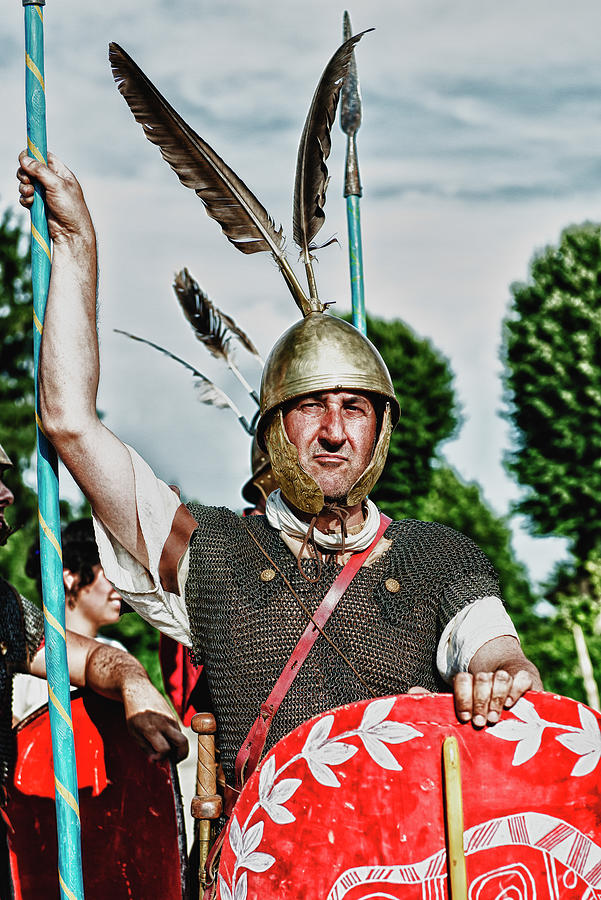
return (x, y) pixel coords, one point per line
(21, 633)
(245, 622)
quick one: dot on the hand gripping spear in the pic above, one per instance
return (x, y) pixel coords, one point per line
(350, 120)
(61, 726)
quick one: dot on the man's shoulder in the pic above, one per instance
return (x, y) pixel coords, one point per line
(435, 539)
(208, 514)
(418, 527)
(226, 522)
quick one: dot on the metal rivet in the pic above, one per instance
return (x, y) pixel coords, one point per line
(3, 648)
(267, 575)
(392, 585)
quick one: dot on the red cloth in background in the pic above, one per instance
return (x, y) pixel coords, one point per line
(182, 679)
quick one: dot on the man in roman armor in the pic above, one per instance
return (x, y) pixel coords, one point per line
(411, 605)
(424, 609)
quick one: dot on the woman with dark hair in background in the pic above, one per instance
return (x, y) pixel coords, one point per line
(90, 603)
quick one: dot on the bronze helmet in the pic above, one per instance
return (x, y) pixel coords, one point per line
(5, 460)
(321, 353)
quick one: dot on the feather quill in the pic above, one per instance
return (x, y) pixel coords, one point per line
(212, 327)
(207, 391)
(243, 219)
(314, 148)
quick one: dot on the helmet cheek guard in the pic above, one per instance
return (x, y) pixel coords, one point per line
(262, 482)
(296, 485)
(368, 479)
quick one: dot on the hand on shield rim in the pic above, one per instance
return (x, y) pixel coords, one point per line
(499, 674)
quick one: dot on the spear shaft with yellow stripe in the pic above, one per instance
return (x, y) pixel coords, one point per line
(63, 749)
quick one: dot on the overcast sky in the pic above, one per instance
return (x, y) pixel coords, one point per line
(481, 140)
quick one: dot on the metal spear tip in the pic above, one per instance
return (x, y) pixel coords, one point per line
(350, 96)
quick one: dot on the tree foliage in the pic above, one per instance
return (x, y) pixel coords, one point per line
(423, 382)
(552, 353)
(17, 423)
(575, 594)
(553, 380)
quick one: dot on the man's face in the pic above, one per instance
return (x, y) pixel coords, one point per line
(6, 499)
(334, 433)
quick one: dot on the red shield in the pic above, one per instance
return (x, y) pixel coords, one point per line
(133, 844)
(350, 805)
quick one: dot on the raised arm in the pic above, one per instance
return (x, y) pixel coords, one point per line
(119, 676)
(69, 360)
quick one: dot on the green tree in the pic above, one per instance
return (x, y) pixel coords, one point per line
(574, 593)
(552, 350)
(423, 382)
(552, 354)
(17, 423)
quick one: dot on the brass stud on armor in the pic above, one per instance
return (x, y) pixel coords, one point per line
(267, 575)
(3, 648)
(392, 585)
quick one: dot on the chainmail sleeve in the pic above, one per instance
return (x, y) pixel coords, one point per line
(466, 574)
(33, 619)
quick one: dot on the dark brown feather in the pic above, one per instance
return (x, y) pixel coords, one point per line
(314, 149)
(211, 326)
(243, 219)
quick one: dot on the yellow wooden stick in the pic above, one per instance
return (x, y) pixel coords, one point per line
(454, 819)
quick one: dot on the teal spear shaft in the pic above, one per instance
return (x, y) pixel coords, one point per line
(61, 726)
(350, 120)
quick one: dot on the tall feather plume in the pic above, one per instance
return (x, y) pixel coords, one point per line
(314, 148)
(243, 219)
(207, 391)
(212, 327)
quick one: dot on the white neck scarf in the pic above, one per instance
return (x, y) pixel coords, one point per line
(280, 516)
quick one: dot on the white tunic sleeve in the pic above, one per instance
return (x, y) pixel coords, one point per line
(157, 505)
(471, 628)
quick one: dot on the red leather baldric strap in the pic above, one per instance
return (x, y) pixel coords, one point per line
(250, 752)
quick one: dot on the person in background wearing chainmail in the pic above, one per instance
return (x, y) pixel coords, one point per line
(423, 610)
(91, 602)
